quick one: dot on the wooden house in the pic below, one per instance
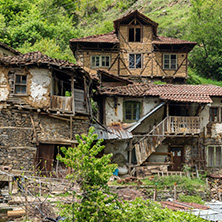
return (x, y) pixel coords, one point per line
(170, 126)
(44, 102)
(134, 50)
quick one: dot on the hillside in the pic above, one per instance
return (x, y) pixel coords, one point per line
(47, 26)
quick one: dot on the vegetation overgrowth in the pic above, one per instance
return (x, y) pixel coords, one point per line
(184, 183)
(47, 25)
(95, 202)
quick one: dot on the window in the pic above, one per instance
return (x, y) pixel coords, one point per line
(134, 34)
(20, 84)
(214, 114)
(100, 61)
(170, 61)
(214, 156)
(131, 110)
(135, 61)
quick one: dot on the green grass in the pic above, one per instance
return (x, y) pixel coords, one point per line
(196, 79)
(191, 199)
(183, 182)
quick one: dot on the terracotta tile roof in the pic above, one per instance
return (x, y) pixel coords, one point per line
(38, 58)
(5, 46)
(110, 37)
(180, 93)
(168, 40)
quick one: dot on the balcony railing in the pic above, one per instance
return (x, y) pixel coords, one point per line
(183, 125)
(61, 103)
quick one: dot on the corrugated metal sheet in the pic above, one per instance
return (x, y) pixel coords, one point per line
(112, 132)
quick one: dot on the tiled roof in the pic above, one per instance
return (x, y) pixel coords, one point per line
(38, 58)
(168, 40)
(180, 93)
(5, 46)
(110, 37)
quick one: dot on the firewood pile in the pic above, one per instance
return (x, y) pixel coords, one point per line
(215, 185)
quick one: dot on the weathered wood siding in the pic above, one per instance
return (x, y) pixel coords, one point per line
(80, 101)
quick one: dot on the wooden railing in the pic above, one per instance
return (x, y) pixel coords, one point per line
(61, 103)
(183, 125)
(172, 125)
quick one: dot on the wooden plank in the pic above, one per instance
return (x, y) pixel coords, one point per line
(138, 154)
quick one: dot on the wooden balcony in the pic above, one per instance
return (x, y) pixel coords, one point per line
(183, 125)
(174, 125)
(61, 103)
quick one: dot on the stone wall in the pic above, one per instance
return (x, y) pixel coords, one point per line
(17, 139)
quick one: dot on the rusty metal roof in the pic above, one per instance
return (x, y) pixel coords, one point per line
(112, 132)
(176, 205)
(179, 93)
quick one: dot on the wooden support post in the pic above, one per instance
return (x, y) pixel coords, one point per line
(175, 191)
(155, 193)
(26, 199)
(130, 156)
(73, 96)
(70, 127)
(118, 72)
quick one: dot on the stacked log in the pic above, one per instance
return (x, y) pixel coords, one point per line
(215, 186)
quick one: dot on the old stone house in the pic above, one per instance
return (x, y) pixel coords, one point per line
(164, 127)
(134, 50)
(44, 102)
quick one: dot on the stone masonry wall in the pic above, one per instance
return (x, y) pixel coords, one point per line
(17, 140)
(16, 149)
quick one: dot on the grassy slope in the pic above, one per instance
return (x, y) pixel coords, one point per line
(172, 16)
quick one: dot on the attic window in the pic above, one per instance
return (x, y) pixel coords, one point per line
(134, 34)
(100, 61)
(135, 61)
(170, 61)
(20, 84)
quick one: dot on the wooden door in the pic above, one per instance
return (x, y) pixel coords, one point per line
(177, 158)
(45, 158)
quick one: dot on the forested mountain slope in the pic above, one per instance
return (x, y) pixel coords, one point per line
(47, 25)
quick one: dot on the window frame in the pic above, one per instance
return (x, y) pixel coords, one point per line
(100, 61)
(215, 155)
(134, 27)
(132, 113)
(170, 61)
(214, 108)
(20, 84)
(135, 54)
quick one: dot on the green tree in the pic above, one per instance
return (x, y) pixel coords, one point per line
(96, 203)
(205, 28)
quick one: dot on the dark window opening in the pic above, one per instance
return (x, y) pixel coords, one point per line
(214, 156)
(170, 61)
(214, 117)
(135, 61)
(131, 111)
(134, 34)
(20, 84)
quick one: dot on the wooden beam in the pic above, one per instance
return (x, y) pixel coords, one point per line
(125, 66)
(73, 95)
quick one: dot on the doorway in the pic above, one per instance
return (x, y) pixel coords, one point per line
(178, 154)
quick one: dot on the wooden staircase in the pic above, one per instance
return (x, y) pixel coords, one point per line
(170, 126)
